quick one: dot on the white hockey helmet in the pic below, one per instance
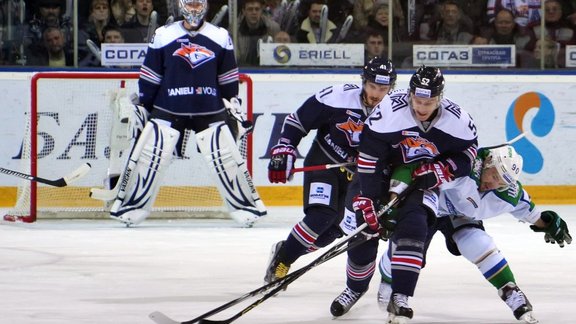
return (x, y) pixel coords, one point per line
(507, 162)
(193, 11)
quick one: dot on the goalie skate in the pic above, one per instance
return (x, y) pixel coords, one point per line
(518, 303)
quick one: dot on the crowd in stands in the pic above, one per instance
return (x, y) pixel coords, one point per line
(44, 37)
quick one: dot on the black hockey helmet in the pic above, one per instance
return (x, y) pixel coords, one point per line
(427, 82)
(381, 71)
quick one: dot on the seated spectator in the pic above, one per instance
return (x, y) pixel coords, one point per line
(53, 52)
(122, 11)
(282, 37)
(374, 46)
(556, 28)
(363, 9)
(99, 18)
(450, 29)
(379, 21)
(136, 29)
(547, 50)
(253, 27)
(525, 12)
(473, 14)
(112, 34)
(309, 31)
(49, 13)
(504, 30)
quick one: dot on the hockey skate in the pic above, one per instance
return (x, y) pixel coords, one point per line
(383, 297)
(518, 303)
(342, 304)
(398, 310)
(276, 269)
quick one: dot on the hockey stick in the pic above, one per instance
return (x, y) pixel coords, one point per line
(354, 239)
(512, 141)
(94, 49)
(152, 25)
(322, 167)
(345, 28)
(62, 182)
(217, 19)
(323, 24)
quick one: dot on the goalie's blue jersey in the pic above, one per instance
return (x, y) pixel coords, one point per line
(188, 73)
(338, 116)
(393, 136)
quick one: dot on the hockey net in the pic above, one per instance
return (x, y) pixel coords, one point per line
(69, 124)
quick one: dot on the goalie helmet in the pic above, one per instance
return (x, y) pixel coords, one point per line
(380, 71)
(427, 82)
(194, 11)
(507, 162)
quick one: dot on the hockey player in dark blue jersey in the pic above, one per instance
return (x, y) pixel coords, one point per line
(417, 124)
(338, 114)
(188, 79)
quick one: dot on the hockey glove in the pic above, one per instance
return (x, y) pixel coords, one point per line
(433, 175)
(281, 163)
(364, 207)
(388, 223)
(556, 230)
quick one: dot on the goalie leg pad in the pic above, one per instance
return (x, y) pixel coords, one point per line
(233, 180)
(146, 166)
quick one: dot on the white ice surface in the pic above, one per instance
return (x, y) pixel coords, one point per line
(85, 271)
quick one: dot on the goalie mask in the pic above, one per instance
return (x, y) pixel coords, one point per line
(194, 11)
(507, 162)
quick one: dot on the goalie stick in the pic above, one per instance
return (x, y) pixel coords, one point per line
(62, 182)
(354, 239)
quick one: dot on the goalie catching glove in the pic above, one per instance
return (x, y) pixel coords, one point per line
(281, 163)
(556, 230)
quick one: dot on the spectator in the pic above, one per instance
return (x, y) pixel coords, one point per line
(112, 34)
(49, 13)
(374, 46)
(549, 54)
(363, 9)
(379, 21)
(525, 11)
(136, 30)
(309, 31)
(473, 14)
(253, 27)
(450, 29)
(504, 30)
(556, 28)
(53, 53)
(99, 18)
(282, 37)
(122, 11)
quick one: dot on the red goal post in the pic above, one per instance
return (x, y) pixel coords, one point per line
(67, 125)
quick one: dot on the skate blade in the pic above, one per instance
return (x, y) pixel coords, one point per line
(393, 319)
(528, 317)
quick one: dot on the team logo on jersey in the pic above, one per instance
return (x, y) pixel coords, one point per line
(417, 148)
(194, 54)
(352, 130)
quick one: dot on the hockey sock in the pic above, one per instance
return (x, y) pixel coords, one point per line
(498, 275)
(304, 234)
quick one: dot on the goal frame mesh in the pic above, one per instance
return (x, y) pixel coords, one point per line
(31, 188)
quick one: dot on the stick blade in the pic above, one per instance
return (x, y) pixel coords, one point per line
(78, 173)
(160, 318)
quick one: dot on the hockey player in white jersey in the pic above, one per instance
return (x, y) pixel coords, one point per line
(414, 125)
(491, 189)
(188, 79)
(338, 114)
